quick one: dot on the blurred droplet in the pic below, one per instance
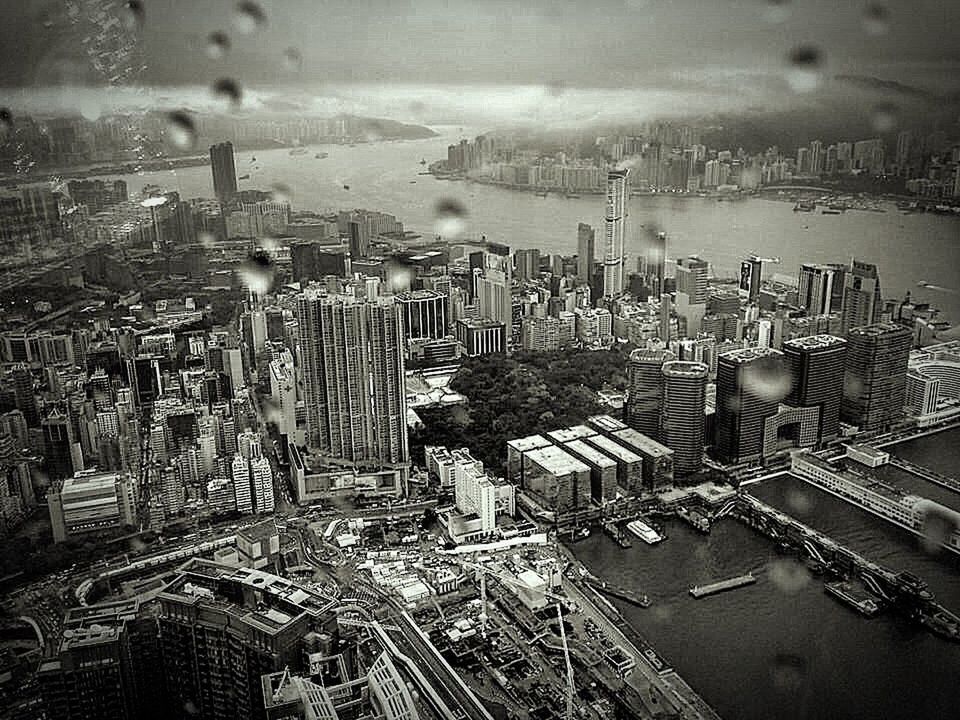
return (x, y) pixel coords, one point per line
(799, 502)
(257, 272)
(248, 18)
(399, 277)
(6, 122)
(449, 218)
(788, 576)
(661, 613)
(885, 117)
(556, 88)
(180, 130)
(939, 523)
(876, 19)
(776, 11)
(207, 239)
(191, 708)
(292, 60)
(133, 15)
(804, 71)
(227, 90)
(89, 108)
(280, 193)
(418, 108)
(788, 672)
(218, 45)
(766, 380)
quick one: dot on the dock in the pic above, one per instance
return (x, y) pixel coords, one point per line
(631, 596)
(699, 591)
(614, 531)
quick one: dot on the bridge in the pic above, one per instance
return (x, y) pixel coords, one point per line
(925, 473)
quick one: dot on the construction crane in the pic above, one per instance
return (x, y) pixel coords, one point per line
(510, 580)
(756, 258)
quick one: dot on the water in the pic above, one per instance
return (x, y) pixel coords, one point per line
(907, 248)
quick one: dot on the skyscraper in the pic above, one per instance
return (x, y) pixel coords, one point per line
(682, 419)
(586, 249)
(874, 383)
(820, 288)
(57, 445)
(615, 220)
(861, 296)
(815, 364)
(224, 171)
(750, 384)
(691, 274)
(353, 378)
(641, 411)
(493, 290)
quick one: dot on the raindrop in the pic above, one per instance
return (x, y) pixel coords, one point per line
(228, 91)
(133, 15)
(6, 122)
(939, 524)
(292, 59)
(766, 380)
(417, 108)
(450, 218)
(89, 108)
(804, 71)
(207, 239)
(257, 272)
(662, 613)
(876, 19)
(788, 576)
(788, 672)
(799, 502)
(218, 45)
(886, 117)
(399, 277)
(180, 130)
(776, 11)
(191, 708)
(280, 193)
(556, 89)
(248, 17)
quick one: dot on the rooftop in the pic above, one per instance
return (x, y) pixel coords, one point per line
(878, 330)
(605, 423)
(614, 449)
(815, 342)
(556, 461)
(580, 449)
(642, 443)
(574, 432)
(531, 442)
(686, 368)
(259, 531)
(747, 355)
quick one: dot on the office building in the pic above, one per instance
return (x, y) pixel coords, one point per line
(540, 334)
(481, 337)
(58, 441)
(353, 372)
(492, 288)
(691, 296)
(527, 263)
(682, 418)
(555, 479)
(224, 171)
(358, 232)
(874, 382)
(283, 395)
(816, 366)
(91, 501)
(645, 381)
(615, 219)
(820, 288)
(749, 385)
(862, 304)
(586, 251)
(424, 314)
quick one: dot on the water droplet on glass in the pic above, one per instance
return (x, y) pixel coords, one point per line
(6, 122)
(191, 708)
(766, 380)
(799, 502)
(248, 18)
(218, 45)
(788, 672)
(180, 130)
(89, 108)
(803, 74)
(281, 193)
(207, 239)
(133, 15)
(939, 523)
(399, 277)
(788, 576)
(556, 89)
(292, 60)
(418, 108)
(450, 218)
(776, 11)
(886, 117)
(876, 19)
(227, 90)
(257, 272)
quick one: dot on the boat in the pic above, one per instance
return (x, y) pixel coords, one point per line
(542, 193)
(644, 532)
(299, 151)
(244, 177)
(413, 182)
(571, 196)
(830, 211)
(942, 623)
(321, 155)
(695, 518)
(804, 206)
(253, 159)
(699, 591)
(853, 596)
(346, 187)
(423, 161)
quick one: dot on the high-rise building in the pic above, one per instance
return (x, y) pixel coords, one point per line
(224, 171)
(283, 393)
(353, 373)
(615, 219)
(528, 263)
(816, 366)
(24, 397)
(652, 263)
(821, 288)
(586, 251)
(492, 289)
(359, 234)
(750, 385)
(691, 296)
(682, 418)
(90, 501)
(480, 336)
(874, 382)
(58, 442)
(424, 314)
(643, 404)
(861, 296)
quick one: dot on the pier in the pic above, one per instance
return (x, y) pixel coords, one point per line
(700, 591)
(925, 473)
(614, 531)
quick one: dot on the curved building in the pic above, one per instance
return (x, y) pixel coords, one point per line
(682, 417)
(641, 411)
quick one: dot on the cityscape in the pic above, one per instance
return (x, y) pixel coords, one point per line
(351, 402)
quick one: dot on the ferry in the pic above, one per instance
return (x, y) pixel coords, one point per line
(244, 177)
(346, 187)
(698, 520)
(644, 532)
(321, 156)
(857, 598)
(423, 161)
(542, 193)
(804, 206)
(299, 151)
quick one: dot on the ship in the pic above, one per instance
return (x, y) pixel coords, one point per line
(542, 193)
(942, 623)
(321, 156)
(854, 596)
(644, 532)
(299, 151)
(831, 211)
(696, 519)
(804, 206)
(244, 177)
(571, 196)
(346, 187)
(423, 161)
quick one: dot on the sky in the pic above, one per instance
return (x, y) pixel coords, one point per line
(546, 61)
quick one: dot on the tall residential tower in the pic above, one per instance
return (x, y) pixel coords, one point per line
(615, 221)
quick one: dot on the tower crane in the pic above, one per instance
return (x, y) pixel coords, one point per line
(483, 570)
(756, 258)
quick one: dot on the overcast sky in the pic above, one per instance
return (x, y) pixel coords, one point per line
(696, 54)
